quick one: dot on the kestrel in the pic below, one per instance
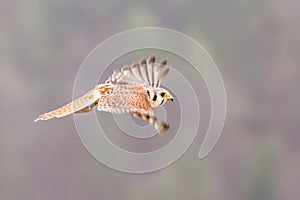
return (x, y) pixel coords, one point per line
(134, 89)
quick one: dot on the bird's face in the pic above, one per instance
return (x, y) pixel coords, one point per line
(158, 97)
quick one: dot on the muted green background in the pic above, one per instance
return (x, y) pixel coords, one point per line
(254, 43)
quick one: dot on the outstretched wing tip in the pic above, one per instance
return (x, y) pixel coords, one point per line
(144, 72)
(151, 59)
(44, 117)
(143, 61)
(40, 118)
(164, 62)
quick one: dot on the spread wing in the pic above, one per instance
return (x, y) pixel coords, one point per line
(145, 73)
(82, 104)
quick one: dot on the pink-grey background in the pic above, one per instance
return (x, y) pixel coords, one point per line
(254, 43)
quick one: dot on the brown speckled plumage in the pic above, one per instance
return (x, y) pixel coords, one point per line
(125, 91)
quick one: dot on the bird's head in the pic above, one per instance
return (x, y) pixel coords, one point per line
(158, 96)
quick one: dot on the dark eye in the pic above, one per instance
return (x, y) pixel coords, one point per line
(162, 94)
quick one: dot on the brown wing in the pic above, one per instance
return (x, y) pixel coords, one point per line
(130, 99)
(125, 99)
(79, 105)
(145, 73)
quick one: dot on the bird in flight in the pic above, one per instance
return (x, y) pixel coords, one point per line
(134, 89)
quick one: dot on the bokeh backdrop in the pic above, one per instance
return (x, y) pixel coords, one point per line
(256, 46)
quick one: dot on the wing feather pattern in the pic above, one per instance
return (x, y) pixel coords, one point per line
(125, 99)
(145, 73)
(88, 99)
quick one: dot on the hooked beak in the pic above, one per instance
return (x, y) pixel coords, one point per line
(169, 97)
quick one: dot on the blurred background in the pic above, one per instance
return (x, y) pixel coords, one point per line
(255, 45)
